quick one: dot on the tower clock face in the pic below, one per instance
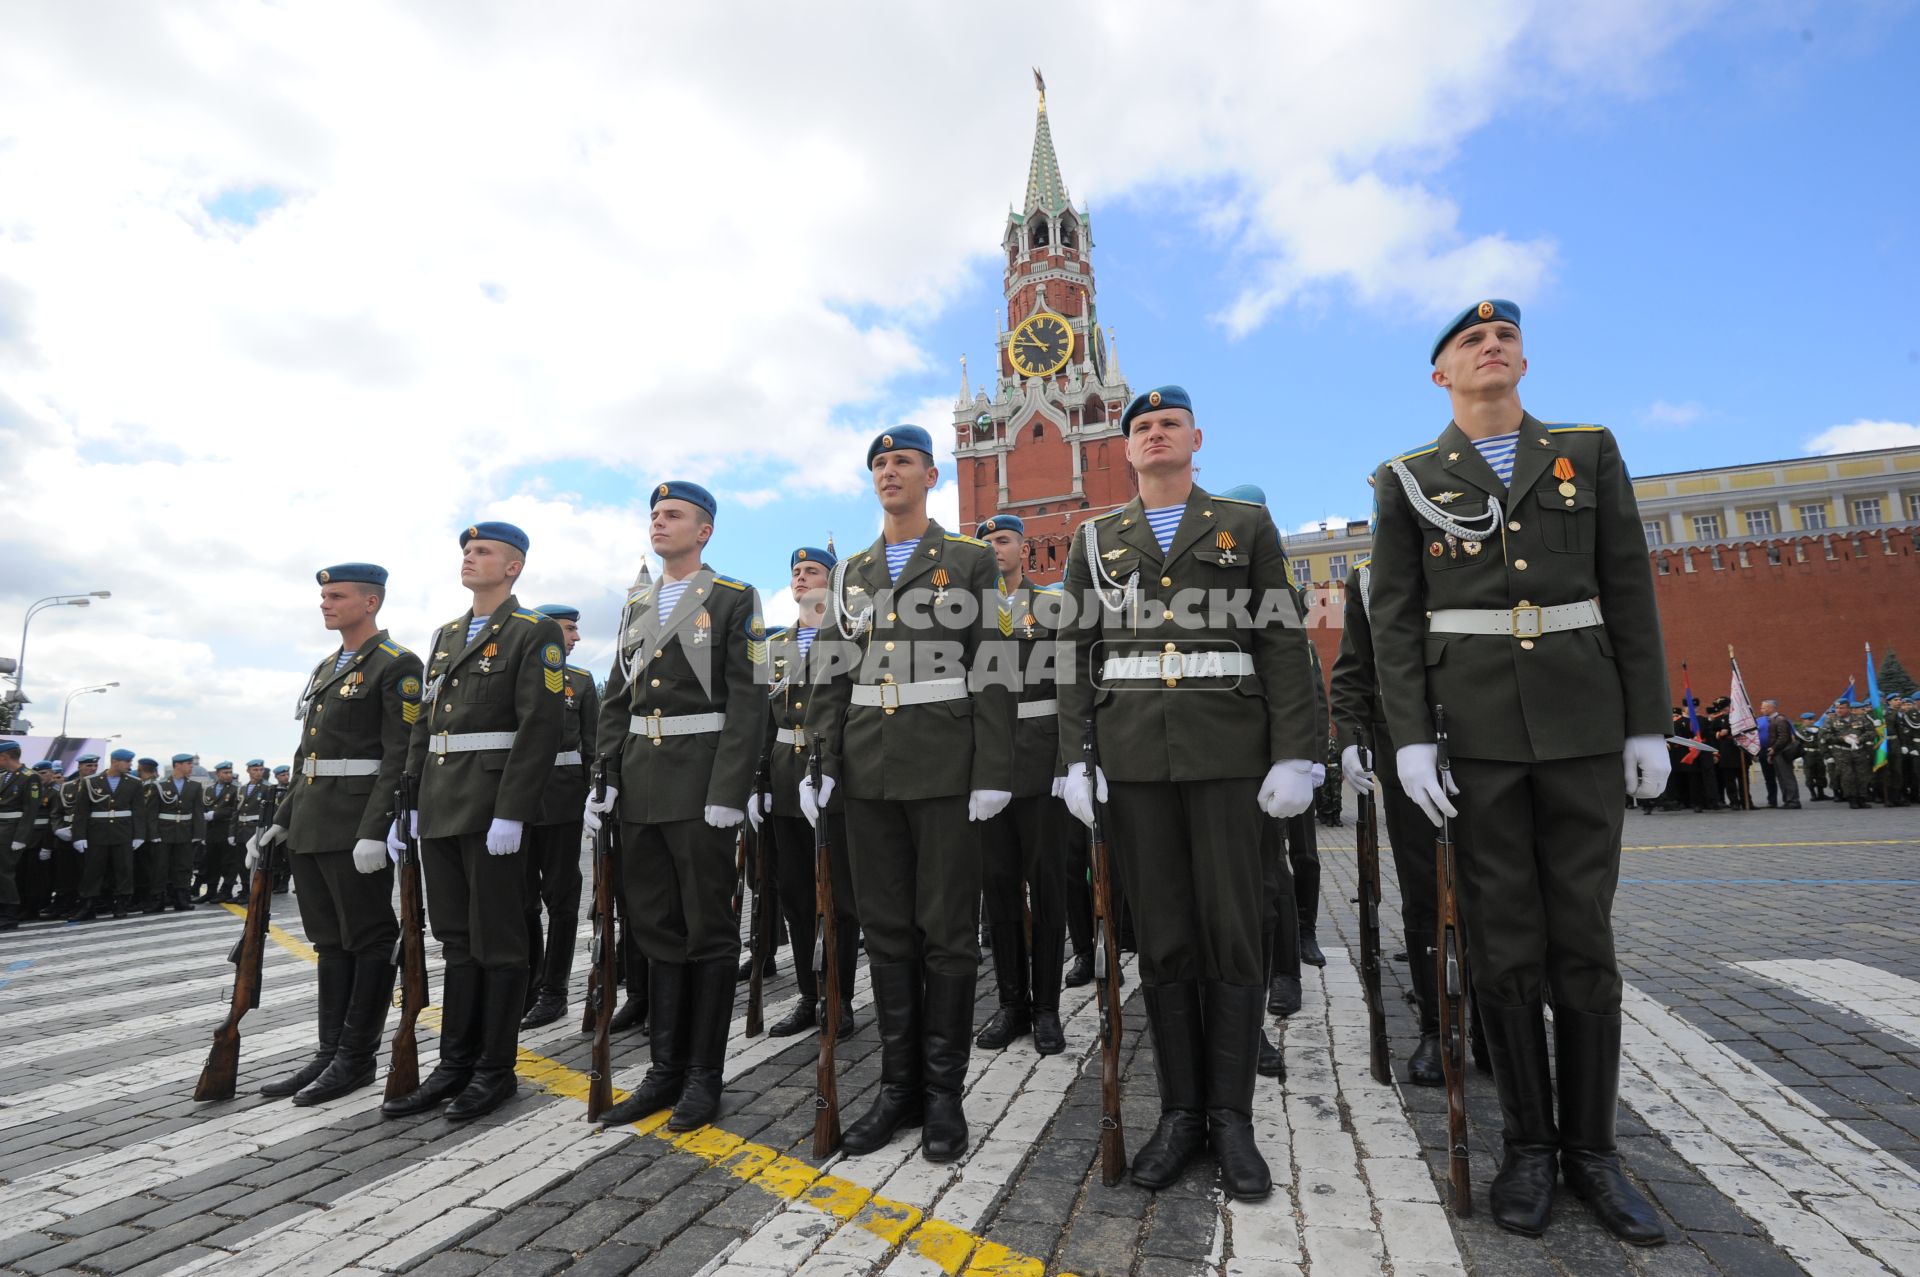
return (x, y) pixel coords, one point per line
(1041, 345)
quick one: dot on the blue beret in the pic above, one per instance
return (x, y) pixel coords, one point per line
(898, 439)
(9, 746)
(1807, 715)
(121, 756)
(282, 770)
(147, 762)
(256, 762)
(559, 611)
(87, 758)
(223, 767)
(1164, 397)
(46, 765)
(1001, 523)
(812, 554)
(364, 573)
(1479, 313)
(1247, 492)
(183, 758)
(682, 490)
(494, 530)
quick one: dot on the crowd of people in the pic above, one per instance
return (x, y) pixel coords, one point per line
(1843, 755)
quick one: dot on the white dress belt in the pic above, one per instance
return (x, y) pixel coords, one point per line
(1171, 667)
(109, 815)
(11, 815)
(466, 742)
(567, 758)
(927, 691)
(657, 728)
(790, 735)
(173, 819)
(358, 766)
(1037, 709)
(1525, 621)
(41, 821)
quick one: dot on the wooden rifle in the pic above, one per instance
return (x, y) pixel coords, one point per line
(763, 916)
(826, 966)
(248, 955)
(409, 948)
(1106, 946)
(1450, 975)
(603, 977)
(1367, 839)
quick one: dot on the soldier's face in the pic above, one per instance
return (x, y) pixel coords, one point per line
(570, 632)
(9, 762)
(256, 774)
(488, 564)
(1162, 441)
(678, 527)
(119, 766)
(1006, 545)
(182, 770)
(1484, 358)
(902, 479)
(344, 604)
(87, 769)
(148, 773)
(808, 582)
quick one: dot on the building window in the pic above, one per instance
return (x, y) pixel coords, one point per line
(1866, 511)
(1913, 507)
(1337, 567)
(1714, 554)
(1706, 527)
(1656, 531)
(1813, 517)
(1760, 523)
(1773, 555)
(1663, 564)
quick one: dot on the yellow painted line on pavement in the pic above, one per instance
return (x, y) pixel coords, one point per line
(956, 1251)
(1746, 846)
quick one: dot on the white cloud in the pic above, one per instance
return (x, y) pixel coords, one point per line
(516, 266)
(1863, 435)
(1662, 413)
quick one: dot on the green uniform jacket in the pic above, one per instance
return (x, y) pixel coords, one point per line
(19, 806)
(68, 806)
(362, 713)
(1355, 695)
(1036, 613)
(940, 749)
(788, 690)
(515, 691)
(1200, 728)
(223, 800)
(1572, 694)
(700, 660)
(170, 804)
(565, 797)
(254, 805)
(93, 796)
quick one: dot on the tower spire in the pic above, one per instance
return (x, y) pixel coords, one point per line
(1046, 190)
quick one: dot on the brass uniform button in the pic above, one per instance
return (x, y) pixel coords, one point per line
(892, 616)
(889, 646)
(456, 682)
(313, 731)
(1166, 580)
(1166, 616)
(799, 705)
(658, 653)
(1520, 565)
(1526, 645)
(656, 682)
(1514, 526)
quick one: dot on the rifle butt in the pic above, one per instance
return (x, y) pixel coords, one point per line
(599, 1095)
(1113, 1151)
(826, 1123)
(403, 1070)
(221, 1071)
(1460, 1183)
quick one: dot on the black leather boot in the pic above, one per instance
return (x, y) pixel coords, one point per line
(948, 1023)
(1173, 1019)
(798, 1020)
(548, 1005)
(180, 902)
(352, 1066)
(1081, 972)
(1273, 1061)
(1587, 1048)
(1283, 995)
(1045, 962)
(503, 1000)
(709, 1016)
(551, 978)
(1014, 1018)
(335, 988)
(849, 1022)
(1522, 1193)
(1310, 951)
(1233, 1022)
(536, 949)
(1423, 1066)
(459, 1045)
(667, 1075)
(896, 1005)
(1048, 1037)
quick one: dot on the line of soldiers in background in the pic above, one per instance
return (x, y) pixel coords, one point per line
(125, 839)
(1838, 751)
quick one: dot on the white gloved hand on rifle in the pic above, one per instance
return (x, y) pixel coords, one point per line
(599, 807)
(1419, 768)
(810, 805)
(759, 807)
(1355, 771)
(1081, 792)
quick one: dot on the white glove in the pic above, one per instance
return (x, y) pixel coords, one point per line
(369, 855)
(271, 835)
(1080, 794)
(396, 846)
(1647, 764)
(253, 856)
(1357, 775)
(985, 804)
(233, 840)
(80, 845)
(503, 837)
(1288, 788)
(64, 833)
(811, 807)
(46, 853)
(1059, 786)
(724, 817)
(19, 846)
(1419, 768)
(138, 843)
(590, 818)
(601, 806)
(759, 806)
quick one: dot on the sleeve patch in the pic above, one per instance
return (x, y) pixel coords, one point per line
(555, 661)
(729, 582)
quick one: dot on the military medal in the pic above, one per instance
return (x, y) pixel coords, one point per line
(350, 687)
(940, 579)
(1027, 624)
(1563, 471)
(1471, 547)
(1444, 497)
(1453, 546)
(487, 654)
(702, 627)
(1223, 539)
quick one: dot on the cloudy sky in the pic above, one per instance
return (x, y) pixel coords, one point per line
(284, 284)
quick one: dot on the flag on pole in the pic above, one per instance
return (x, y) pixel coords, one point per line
(1846, 696)
(1693, 713)
(1877, 711)
(1740, 712)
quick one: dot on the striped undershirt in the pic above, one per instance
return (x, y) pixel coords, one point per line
(803, 635)
(669, 598)
(340, 661)
(474, 627)
(1165, 522)
(897, 556)
(1498, 452)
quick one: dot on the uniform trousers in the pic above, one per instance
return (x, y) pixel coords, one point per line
(172, 864)
(1538, 851)
(34, 876)
(554, 880)
(69, 870)
(916, 880)
(1024, 867)
(678, 880)
(12, 860)
(1189, 853)
(795, 875)
(226, 859)
(1279, 912)
(344, 911)
(106, 871)
(1412, 837)
(475, 901)
(1303, 857)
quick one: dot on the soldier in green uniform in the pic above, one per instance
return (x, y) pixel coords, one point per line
(1206, 720)
(788, 690)
(222, 798)
(1807, 731)
(35, 873)
(916, 734)
(1024, 848)
(553, 848)
(1511, 585)
(249, 804)
(1854, 739)
(150, 866)
(681, 732)
(360, 703)
(19, 805)
(109, 827)
(482, 747)
(1903, 750)
(179, 814)
(68, 862)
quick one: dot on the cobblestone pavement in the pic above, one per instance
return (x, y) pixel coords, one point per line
(1769, 1109)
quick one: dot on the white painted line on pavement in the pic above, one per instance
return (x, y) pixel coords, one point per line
(1890, 1001)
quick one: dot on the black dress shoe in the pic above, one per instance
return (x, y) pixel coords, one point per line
(487, 1091)
(849, 1023)
(1400, 956)
(1283, 996)
(1079, 971)
(798, 1020)
(1310, 951)
(767, 968)
(547, 1007)
(1273, 1061)
(1048, 1038)
(629, 1014)
(1007, 1024)
(1423, 1066)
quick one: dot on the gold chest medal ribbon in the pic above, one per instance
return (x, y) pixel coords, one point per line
(487, 654)
(1224, 540)
(702, 627)
(940, 580)
(1563, 471)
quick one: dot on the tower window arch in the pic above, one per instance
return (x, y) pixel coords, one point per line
(1039, 431)
(1069, 235)
(1037, 232)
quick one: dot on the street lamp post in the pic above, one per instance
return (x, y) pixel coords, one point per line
(79, 691)
(52, 600)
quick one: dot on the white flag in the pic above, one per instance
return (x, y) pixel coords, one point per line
(1740, 716)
